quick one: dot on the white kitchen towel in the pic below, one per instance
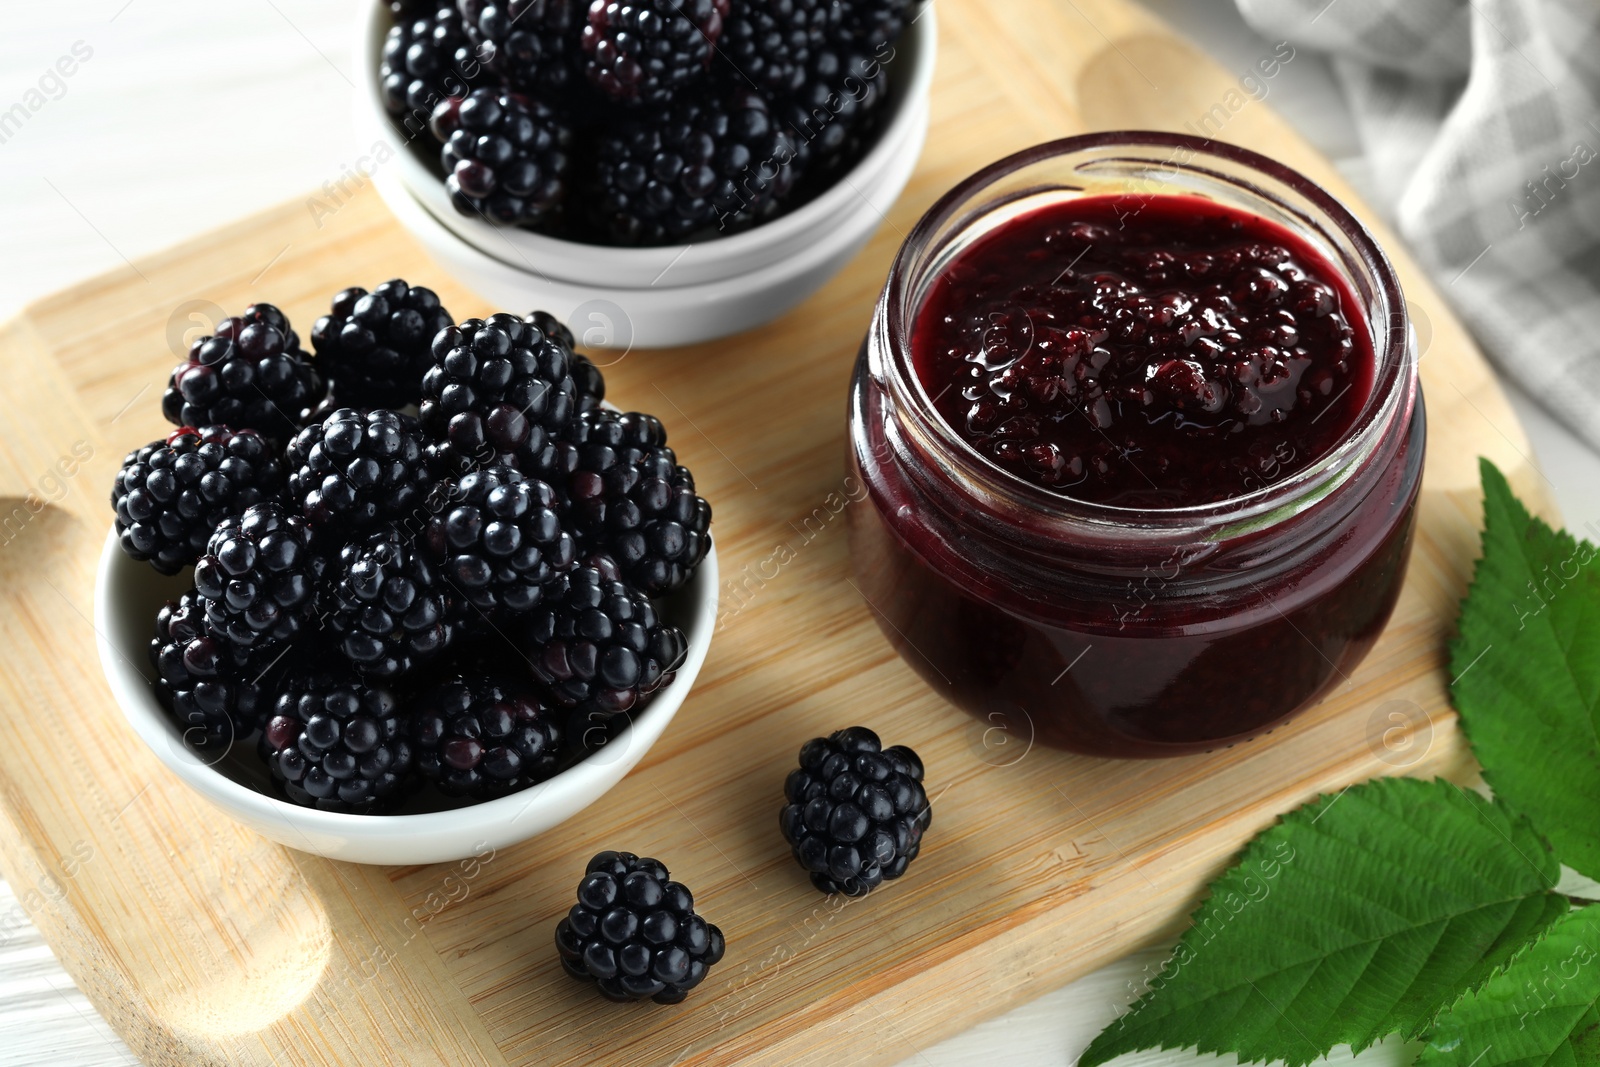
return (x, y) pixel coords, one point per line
(1481, 124)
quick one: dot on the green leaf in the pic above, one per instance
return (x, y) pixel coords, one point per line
(1542, 1010)
(1360, 915)
(1527, 672)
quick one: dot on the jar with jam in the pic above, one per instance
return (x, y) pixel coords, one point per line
(1139, 422)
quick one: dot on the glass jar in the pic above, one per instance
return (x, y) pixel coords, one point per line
(1118, 631)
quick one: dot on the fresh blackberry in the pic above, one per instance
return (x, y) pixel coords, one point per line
(376, 346)
(427, 58)
(628, 494)
(355, 469)
(483, 737)
(856, 811)
(386, 605)
(170, 495)
(498, 541)
(528, 44)
(715, 161)
(771, 43)
(834, 112)
(586, 377)
(212, 688)
(499, 391)
(870, 24)
(601, 647)
(337, 742)
(635, 933)
(258, 575)
(505, 155)
(644, 51)
(251, 375)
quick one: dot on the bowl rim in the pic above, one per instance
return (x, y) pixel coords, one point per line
(150, 721)
(816, 215)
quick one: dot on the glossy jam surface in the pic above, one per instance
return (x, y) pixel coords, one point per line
(1144, 351)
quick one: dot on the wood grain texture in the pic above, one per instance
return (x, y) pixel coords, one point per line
(203, 943)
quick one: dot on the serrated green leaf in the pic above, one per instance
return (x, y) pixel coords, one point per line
(1360, 915)
(1541, 1010)
(1527, 672)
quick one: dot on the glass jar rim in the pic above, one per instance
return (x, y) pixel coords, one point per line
(1392, 386)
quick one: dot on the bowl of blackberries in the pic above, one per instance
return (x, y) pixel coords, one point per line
(700, 166)
(416, 592)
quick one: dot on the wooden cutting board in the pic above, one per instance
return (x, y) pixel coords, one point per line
(203, 943)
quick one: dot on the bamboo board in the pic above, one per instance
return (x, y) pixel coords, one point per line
(203, 943)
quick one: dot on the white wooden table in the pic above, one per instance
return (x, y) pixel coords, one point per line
(188, 114)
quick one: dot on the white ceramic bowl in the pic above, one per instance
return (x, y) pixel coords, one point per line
(672, 295)
(127, 596)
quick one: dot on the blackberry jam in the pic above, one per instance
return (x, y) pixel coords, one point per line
(1140, 428)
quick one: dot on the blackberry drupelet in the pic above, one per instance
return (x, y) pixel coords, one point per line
(386, 605)
(483, 737)
(250, 375)
(506, 156)
(715, 161)
(871, 24)
(375, 347)
(212, 688)
(498, 541)
(635, 933)
(338, 742)
(590, 383)
(258, 576)
(427, 57)
(529, 45)
(170, 495)
(601, 647)
(644, 51)
(770, 44)
(355, 469)
(498, 392)
(834, 112)
(856, 811)
(629, 495)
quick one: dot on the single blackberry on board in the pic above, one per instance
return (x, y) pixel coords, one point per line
(336, 741)
(499, 391)
(211, 687)
(770, 44)
(355, 469)
(629, 495)
(387, 607)
(634, 932)
(258, 576)
(375, 347)
(427, 57)
(505, 156)
(482, 736)
(498, 542)
(834, 112)
(170, 495)
(528, 44)
(716, 161)
(644, 51)
(251, 375)
(601, 647)
(590, 383)
(856, 811)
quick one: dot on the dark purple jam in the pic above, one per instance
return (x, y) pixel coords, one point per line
(1144, 351)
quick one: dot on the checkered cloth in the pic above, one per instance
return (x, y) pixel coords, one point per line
(1480, 119)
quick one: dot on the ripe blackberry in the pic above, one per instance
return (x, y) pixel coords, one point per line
(635, 933)
(386, 605)
(644, 51)
(586, 377)
(714, 161)
(505, 155)
(355, 469)
(377, 346)
(498, 391)
(601, 647)
(251, 375)
(856, 811)
(258, 575)
(210, 686)
(528, 44)
(498, 540)
(870, 24)
(427, 58)
(170, 495)
(628, 494)
(834, 112)
(483, 737)
(771, 44)
(337, 742)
